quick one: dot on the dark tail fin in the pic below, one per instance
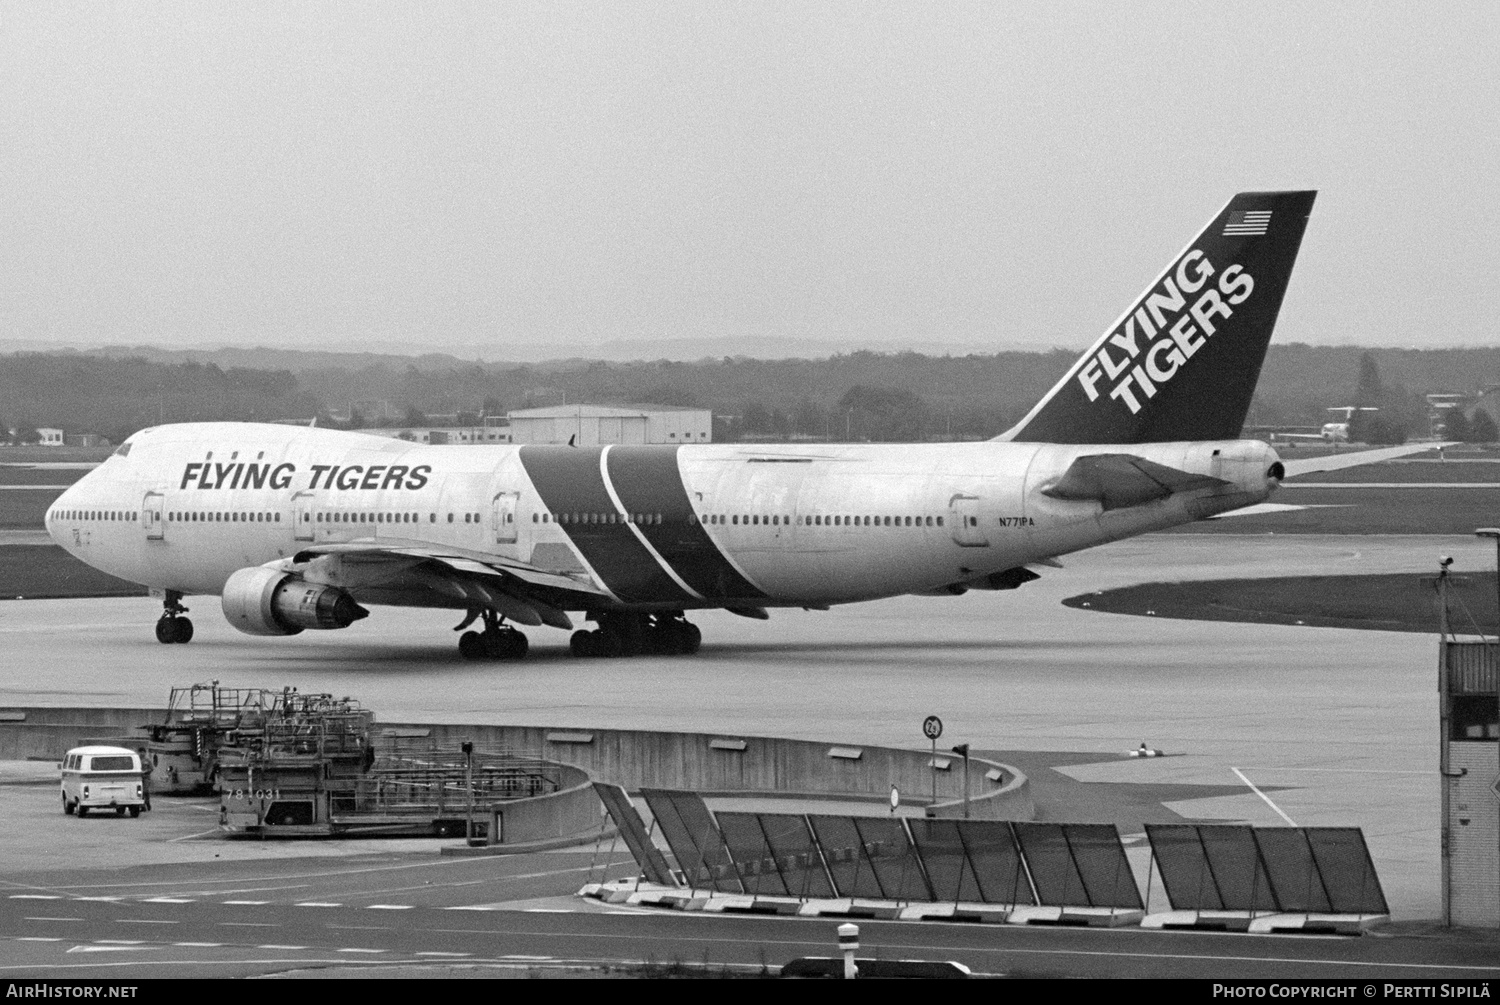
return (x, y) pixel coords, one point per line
(1181, 363)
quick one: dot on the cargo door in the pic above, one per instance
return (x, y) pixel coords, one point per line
(505, 517)
(153, 516)
(963, 515)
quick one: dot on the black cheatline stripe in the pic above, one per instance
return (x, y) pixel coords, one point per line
(569, 482)
(648, 480)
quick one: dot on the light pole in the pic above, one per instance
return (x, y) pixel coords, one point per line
(468, 749)
(1494, 532)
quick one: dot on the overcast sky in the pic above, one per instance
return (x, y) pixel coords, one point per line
(502, 176)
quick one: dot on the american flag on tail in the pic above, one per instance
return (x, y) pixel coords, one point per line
(1249, 223)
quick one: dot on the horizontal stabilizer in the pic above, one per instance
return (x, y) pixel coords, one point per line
(1120, 480)
(1337, 462)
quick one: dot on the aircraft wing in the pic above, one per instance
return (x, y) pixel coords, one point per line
(521, 591)
(1120, 480)
(1337, 462)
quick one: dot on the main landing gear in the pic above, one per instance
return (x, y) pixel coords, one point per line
(496, 642)
(621, 634)
(172, 627)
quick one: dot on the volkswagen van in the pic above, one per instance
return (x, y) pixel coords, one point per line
(102, 778)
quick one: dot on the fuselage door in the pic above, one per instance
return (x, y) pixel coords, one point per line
(963, 514)
(152, 516)
(302, 516)
(505, 517)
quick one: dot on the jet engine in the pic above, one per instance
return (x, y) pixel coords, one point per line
(263, 601)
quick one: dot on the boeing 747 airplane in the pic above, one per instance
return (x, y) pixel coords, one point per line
(300, 528)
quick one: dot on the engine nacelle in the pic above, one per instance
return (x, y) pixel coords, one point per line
(262, 601)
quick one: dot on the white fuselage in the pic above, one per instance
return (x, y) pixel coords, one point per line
(187, 505)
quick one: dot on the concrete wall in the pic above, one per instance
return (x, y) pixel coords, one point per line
(573, 810)
(632, 758)
(645, 758)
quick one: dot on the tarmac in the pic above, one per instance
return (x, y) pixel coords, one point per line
(1276, 724)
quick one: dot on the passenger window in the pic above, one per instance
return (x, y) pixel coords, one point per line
(450, 517)
(776, 520)
(939, 521)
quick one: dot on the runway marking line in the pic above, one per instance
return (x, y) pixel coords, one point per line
(1264, 797)
(317, 903)
(359, 950)
(199, 945)
(244, 902)
(51, 919)
(430, 953)
(119, 942)
(623, 857)
(166, 900)
(36, 896)
(389, 907)
(37, 938)
(1000, 950)
(272, 946)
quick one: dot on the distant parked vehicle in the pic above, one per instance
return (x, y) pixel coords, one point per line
(101, 777)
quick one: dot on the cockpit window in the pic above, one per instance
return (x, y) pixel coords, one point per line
(123, 450)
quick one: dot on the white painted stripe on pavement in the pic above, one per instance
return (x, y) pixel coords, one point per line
(166, 900)
(244, 902)
(273, 946)
(388, 907)
(35, 896)
(1258, 792)
(360, 950)
(200, 945)
(431, 953)
(317, 903)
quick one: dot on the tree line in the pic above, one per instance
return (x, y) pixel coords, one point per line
(856, 396)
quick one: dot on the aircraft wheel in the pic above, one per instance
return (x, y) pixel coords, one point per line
(174, 630)
(581, 643)
(692, 638)
(516, 646)
(471, 646)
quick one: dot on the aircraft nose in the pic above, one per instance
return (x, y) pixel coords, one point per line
(56, 525)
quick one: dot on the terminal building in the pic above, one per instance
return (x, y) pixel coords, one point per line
(595, 425)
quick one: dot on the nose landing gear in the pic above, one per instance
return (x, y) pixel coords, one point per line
(496, 642)
(172, 627)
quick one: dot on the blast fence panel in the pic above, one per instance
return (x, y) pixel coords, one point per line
(754, 861)
(694, 839)
(797, 854)
(633, 829)
(1348, 872)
